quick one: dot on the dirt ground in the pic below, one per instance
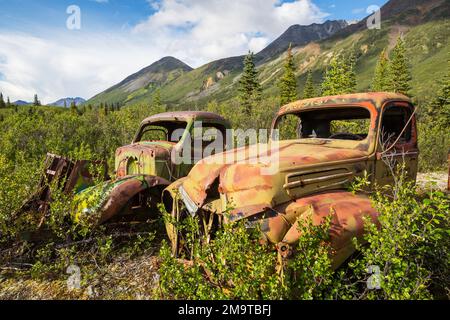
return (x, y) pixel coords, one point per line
(135, 279)
(432, 180)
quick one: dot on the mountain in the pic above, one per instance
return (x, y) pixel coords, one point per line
(424, 24)
(139, 85)
(298, 35)
(21, 103)
(411, 12)
(145, 80)
(67, 102)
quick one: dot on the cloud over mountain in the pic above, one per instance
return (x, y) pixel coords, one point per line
(68, 63)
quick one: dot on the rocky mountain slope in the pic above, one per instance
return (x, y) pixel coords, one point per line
(424, 24)
(157, 74)
(169, 70)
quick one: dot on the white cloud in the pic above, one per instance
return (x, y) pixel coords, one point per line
(68, 66)
(194, 31)
(207, 30)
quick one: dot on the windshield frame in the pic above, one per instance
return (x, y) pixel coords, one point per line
(365, 144)
(137, 138)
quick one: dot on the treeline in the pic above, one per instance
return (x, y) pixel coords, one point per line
(392, 74)
(252, 109)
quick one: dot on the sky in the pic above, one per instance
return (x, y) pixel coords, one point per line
(58, 48)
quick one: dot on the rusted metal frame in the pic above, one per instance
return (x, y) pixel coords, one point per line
(304, 182)
(411, 145)
(369, 106)
(329, 163)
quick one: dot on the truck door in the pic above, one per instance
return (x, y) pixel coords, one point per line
(397, 142)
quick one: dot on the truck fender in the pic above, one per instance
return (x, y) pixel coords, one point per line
(111, 196)
(347, 210)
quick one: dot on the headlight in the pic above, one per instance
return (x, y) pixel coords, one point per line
(190, 205)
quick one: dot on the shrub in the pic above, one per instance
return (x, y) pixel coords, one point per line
(405, 256)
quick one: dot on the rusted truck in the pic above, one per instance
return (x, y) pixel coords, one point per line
(163, 150)
(316, 149)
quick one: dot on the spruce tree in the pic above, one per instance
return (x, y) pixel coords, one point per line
(439, 108)
(288, 83)
(349, 65)
(2, 102)
(400, 73)
(309, 91)
(381, 79)
(157, 104)
(249, 87)
(36, 101)
(333, 79)
(73, 107)
(8, 103)
(340, 76)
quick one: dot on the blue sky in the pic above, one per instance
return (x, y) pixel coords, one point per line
(39, 54)
(46, 15)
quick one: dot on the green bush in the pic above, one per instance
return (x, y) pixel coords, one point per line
(405, 256)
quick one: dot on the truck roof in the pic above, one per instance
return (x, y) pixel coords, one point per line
(185, 115)
(376, 98)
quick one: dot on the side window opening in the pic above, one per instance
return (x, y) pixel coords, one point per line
(393, 122)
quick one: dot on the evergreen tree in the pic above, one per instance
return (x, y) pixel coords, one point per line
(288, 83)
(309, 91)
(8, 103)
(2, 102)
(333, 80)
(249, 87)
(400, 73)
(340, 76)
(349, 79)
(439, 108)
(381, 80)
(157, 104)
(73, 107)
(65, 103)
(36, 101)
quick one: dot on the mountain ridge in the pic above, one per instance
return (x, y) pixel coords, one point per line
(218, 69)
(424, 23)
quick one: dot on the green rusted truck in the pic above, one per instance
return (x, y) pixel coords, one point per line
(317, 147)
(162, 151)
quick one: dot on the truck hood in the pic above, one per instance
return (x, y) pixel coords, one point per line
(256, 175)
(141, 155)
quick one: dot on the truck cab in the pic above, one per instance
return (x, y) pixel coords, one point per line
(163, 150)
(317, 148)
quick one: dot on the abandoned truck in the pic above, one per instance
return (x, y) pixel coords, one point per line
(155, 158)
(317, 147)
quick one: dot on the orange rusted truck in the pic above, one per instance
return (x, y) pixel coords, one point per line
(316, 149)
